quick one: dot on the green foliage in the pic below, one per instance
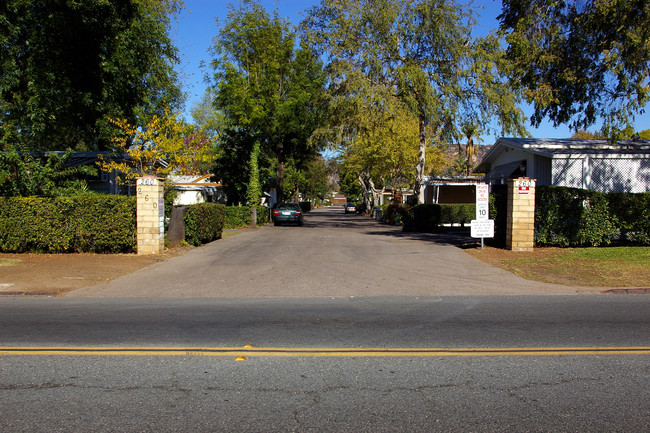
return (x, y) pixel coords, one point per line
(632, 212)
(68, 66)
(395, 213)
(424, 218)
(204, 222)
(86, 223)
(424, 53)
(457, 213)
(572, 217)
(429, 217)
(267, 87)
(254, 192)
(499, 213)
(240, 216)
(580, 61)
(36, 174)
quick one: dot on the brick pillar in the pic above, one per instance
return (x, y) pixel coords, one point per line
(520, 228)
(150, 215)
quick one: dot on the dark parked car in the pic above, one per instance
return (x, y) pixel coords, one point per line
(287, 213)
(350, 208)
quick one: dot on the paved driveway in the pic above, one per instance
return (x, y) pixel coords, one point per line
(333, 255)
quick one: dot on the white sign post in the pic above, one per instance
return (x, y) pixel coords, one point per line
(482, 226)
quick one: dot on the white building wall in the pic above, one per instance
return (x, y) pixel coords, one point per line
(568, 172)
(622, 173)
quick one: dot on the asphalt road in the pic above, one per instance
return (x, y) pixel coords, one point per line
(456, 364)
(332, 255)
(343, 325)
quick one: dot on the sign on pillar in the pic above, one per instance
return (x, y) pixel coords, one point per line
(150, 215)
(520, 229)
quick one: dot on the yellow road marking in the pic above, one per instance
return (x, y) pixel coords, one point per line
(321, 352)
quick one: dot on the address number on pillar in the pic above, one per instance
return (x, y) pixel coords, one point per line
(148, 181)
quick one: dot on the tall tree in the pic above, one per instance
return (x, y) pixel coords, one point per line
(581, 61)
(378, 141)
(267, 87)
(425, 51)
(67, 66)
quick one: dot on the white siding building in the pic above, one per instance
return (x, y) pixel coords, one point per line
(596, 165)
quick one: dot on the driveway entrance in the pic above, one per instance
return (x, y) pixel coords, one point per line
(333, 255)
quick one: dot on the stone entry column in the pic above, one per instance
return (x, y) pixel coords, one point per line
(520, 229)
(150, 211)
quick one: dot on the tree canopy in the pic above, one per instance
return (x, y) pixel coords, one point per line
(66, 67)
(425, 52)
(268, 88)
(581, 62)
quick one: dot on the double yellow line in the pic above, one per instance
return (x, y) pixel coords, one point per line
(247, 351)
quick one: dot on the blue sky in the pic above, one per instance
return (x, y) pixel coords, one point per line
(194, 30)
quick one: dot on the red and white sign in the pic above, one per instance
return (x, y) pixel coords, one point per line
(482, 202)
(523, 186)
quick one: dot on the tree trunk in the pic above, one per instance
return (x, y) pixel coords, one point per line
(470, 155)
(364, 188)
(418, 188)
(373, 191)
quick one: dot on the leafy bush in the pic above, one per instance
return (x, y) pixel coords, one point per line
(633, 214)
(572, 217)
(424, 218)
(461, 213)
(394, 213)
(429, 217)
(84, 223)
(499, 213)
(204, 223)
(240, 216)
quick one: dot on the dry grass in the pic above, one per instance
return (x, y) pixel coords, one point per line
(598, 267)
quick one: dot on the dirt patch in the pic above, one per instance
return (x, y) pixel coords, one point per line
(56, 274)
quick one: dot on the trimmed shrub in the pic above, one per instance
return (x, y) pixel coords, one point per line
(429, 217)
(204, 223)
(394, 213)
(461, 213)
(499, 213)
(237, 216)
(424, 218)
(572, 217)
(85, 223)
(240, 216)
(633, 214)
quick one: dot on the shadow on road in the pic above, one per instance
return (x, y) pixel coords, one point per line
(335, 218)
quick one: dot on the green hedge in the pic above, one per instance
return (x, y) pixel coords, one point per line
(429, 217)
(462, 213)
(240, 216)
(576, 217)
(499, 213)
(396, 213)
(84, 223)
(632, 212)
(565, 217)
(204, 223)
(572, 217)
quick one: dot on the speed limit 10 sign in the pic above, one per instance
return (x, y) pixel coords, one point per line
(482, 202)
